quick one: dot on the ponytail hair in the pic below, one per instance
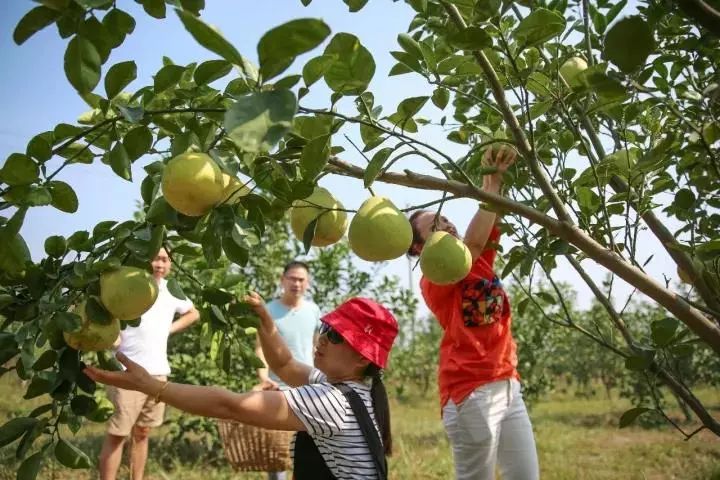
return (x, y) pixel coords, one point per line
(380, 405)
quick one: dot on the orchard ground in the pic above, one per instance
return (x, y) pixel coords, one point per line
(577, 438)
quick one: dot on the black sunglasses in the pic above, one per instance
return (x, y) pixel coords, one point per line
(332, 335)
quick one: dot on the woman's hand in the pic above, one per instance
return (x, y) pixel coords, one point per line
(134, 377)
(502, 160)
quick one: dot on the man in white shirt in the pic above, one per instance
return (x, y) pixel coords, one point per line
(146, 344)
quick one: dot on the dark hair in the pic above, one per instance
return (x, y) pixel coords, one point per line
(380, 405)
(416, 237)
(296, 264)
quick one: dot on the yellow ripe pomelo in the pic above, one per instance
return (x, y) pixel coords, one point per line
(379, 231)
(192, 183)
(92, 337)
(233, 189)
(128, 292)
(331, 224)
(445, 259)
(571, 69)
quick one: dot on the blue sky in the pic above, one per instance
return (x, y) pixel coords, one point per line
(36, 96)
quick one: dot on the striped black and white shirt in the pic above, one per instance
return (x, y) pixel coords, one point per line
(331, 423)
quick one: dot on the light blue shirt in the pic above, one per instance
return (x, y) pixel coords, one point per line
(297, 327)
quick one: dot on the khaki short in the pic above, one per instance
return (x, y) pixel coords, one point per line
(133, 409)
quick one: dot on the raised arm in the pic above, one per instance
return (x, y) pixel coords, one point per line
(276, 353)
(482, 222)
(262, 409)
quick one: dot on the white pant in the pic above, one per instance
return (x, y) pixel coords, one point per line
(492, 425)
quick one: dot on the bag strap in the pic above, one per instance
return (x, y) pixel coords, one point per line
(368, 429)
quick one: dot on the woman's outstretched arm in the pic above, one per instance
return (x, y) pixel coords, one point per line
(262, 409)
(482, 222)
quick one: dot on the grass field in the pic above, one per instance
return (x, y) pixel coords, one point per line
(577, 439)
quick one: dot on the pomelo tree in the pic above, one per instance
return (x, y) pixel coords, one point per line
(625, 151)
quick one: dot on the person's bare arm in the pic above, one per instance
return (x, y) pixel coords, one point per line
(264, 373)
(184, 321)
(277, 355)
(262, 409)
(481, 224)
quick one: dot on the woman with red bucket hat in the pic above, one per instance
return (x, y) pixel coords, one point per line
(339, 407)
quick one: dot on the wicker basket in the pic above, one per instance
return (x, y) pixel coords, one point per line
(253, 449)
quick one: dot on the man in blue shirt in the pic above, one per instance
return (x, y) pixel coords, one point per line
(298, 321)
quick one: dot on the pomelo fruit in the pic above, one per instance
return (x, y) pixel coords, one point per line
(127, 292)
(379, 231)
(331, 224)
(192, 183)
(571, 69)
(445, 259)
(92, 337)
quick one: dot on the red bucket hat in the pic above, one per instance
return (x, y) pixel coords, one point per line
(366, 326)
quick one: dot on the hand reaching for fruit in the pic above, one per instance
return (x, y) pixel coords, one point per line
(502, 160)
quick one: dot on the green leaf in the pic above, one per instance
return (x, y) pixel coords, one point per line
(210, 39)
(315, 68)
(154, 8)
(234, 252)
(67, 321)
(309, 234)
(63, 196)
(684, 199)
(410, 45)
(217, 296)
(664, 330)
(167, 77)
(137, 142)
(40, 147)
(353, 67)
(441, 97)
(161, 213)
(15, 428)
(314, 157)
(34, 21)
(118, 77)
(82, 64)
(470, 38)
(354, 5)
(95, 311)
(14, 254)
(107, 361)
(278, 48)
(175, 289)
(120, 162)
(588, 200)
(46, 360)
(257, 122)
(375, 166)
(540, 26)
(631, 415)
(638, 363)
(70, 456)
(82, 405)
(119, 24)
(19, 169)
(630, 31)
(131, 114)
(32, 465)
(211, 70)
(38, 386)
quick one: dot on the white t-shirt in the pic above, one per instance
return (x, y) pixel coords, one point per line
(331, 423)
(146, 344)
